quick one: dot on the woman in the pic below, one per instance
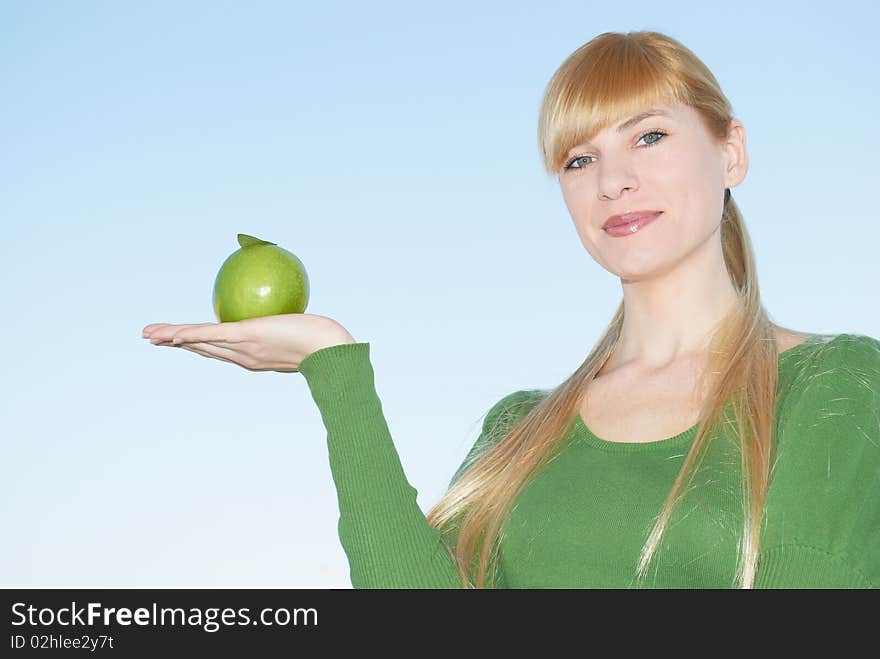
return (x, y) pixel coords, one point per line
(699, 445)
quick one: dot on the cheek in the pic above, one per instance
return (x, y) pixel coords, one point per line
(571, 196)
(581, 215)
(589, 241)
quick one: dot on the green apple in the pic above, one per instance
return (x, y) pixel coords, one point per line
(259, 279)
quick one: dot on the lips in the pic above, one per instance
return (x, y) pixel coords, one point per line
(626, 218)
(632, 227)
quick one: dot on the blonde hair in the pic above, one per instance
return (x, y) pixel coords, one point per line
(611, 77)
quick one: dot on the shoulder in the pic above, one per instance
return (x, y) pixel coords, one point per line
(835, 409)
(500, 418)
(841, 363)
(511, 408)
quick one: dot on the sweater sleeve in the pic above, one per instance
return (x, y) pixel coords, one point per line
(385, 535)
(828, 474)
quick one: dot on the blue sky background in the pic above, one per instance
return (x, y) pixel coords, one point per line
(392, 146)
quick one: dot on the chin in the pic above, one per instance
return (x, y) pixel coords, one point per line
(633, 258)
(638, 266)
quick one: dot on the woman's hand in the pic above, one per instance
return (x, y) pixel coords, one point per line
(269, 343)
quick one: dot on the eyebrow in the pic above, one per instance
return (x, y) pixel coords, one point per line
(632, 121)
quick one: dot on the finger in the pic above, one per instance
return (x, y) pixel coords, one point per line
(215, 352)
(212, 350)
(149, 329)
(166, 331)
(230, 348)
(161, 331)
(194, 347)
(204, 333)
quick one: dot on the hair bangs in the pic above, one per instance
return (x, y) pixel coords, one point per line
(589, 94)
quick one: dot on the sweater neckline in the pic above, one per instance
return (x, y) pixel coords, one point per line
(681, 439)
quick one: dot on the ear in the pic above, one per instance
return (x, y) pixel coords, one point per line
(736, 155)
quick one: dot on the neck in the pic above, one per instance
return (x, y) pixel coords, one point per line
(671, 316)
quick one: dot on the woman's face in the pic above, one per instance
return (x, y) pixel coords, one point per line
(679, 170)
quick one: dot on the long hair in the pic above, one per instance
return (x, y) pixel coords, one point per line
(607, 79)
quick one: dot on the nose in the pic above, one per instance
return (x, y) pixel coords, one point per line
(612, 182)
(606, 192)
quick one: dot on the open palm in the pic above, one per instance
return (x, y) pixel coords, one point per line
(269, 343)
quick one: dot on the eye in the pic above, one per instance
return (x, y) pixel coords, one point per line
(652, 132)
(659, 133)
(578, 159)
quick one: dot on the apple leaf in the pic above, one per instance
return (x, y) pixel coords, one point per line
(245, 240)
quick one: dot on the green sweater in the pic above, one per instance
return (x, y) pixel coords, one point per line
(582, 521)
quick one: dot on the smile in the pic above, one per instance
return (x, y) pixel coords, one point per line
(622, 230)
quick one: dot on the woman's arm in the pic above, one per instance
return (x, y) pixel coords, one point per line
(385, 535)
